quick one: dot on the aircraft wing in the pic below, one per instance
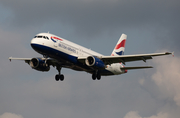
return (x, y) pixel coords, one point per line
(126, 58)
(23, 59)
(50, 61)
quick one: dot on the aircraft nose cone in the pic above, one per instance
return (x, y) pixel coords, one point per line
(33, 41)
(34, 44)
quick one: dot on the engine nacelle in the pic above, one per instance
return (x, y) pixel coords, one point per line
(39, 64)
(95, 62)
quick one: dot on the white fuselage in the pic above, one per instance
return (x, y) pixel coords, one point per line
(63, 50)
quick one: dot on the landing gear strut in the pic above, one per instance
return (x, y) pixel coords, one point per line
(96, 75)
(59, 76)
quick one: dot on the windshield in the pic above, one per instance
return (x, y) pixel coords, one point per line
(45, 37)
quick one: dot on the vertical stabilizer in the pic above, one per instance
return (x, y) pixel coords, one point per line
(120, 46)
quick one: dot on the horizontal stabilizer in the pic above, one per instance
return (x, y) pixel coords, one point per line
(130, 68)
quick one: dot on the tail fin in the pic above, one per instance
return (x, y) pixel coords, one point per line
(120, 46)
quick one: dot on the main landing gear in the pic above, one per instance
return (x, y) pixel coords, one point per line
(59, 76)
(96, 75)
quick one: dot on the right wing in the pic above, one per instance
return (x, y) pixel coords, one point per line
(130, 58)
(126, 58)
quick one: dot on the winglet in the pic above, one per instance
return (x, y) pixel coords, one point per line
(167, 53)
(10, 59)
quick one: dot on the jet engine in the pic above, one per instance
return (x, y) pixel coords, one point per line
(39, 64)
(95, 62)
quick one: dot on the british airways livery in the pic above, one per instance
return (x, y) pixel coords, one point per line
(61, 53)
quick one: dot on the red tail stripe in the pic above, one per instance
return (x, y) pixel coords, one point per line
(122, 44)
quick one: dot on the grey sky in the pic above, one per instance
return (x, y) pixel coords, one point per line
(89, 19)
(151, 26)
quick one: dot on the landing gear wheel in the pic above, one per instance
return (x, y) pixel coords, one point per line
(98, 76)
(57, 77)
(94, 76)
(61, 77)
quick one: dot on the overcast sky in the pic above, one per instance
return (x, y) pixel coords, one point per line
(151, 26)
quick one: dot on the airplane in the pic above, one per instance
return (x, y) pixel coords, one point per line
(61, 53)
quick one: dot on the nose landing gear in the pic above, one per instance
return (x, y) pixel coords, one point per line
(59, 76)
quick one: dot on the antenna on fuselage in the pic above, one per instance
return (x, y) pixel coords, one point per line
(48, 32)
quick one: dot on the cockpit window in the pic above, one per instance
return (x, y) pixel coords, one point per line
(45, 37)
(39, 36)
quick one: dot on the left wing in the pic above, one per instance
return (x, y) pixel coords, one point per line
(49, 61)
(126, 58)
(27, 60)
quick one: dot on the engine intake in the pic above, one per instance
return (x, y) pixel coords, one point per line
(95, 62)
(39, 64)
